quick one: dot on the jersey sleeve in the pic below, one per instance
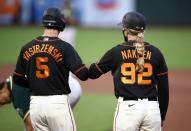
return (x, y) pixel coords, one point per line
(163, 86)
(105, 63)
(21, 65)
(103, 66)
(162, 66)
(74, 63)
(19, 75)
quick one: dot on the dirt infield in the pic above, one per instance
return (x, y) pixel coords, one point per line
(179, 113)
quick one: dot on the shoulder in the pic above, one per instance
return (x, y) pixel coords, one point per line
(64, 43)
(112, 50)
(117, 47)
(155, 51)
(27, 45)
(152, 48)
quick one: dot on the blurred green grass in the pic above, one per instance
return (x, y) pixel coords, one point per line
(9, 119)
(94, 111)
(92, 43)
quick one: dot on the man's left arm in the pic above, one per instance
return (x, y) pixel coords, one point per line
(163, 94)
(163, 86)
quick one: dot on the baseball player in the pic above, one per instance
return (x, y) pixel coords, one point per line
(69, 35)
(43, 65)
(140, 77)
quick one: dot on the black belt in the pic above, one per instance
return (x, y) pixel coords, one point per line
(142, 98)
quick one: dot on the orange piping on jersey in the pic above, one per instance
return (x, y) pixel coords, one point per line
(79, 69)
(160, 74)
(99, 69)
(18, 74)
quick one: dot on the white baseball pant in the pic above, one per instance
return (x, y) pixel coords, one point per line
(140, 115)
(76, 91)
(51, 113)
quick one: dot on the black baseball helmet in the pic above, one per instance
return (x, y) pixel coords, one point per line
(134, 20)
(52, 18)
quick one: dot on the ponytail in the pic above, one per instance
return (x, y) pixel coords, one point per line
(140, 48)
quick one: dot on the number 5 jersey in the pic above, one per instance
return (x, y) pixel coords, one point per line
(46, 62)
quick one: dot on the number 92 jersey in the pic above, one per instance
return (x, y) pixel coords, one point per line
(46, 61)
(121, 60)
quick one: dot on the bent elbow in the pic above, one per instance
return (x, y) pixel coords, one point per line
(83, 74)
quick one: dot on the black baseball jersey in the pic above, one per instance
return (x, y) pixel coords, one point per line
(46, 62)
(121, 60)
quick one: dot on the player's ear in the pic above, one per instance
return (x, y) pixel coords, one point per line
(125, 33)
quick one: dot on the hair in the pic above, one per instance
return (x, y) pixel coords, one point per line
(139, 46)
(139, 35)
(54, 28)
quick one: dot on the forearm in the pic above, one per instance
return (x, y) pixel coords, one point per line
(82, 73)
(94, 72)
(163, 95)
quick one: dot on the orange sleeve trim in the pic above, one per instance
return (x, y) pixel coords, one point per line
(160, 74)
(18, 74)
(79, 69)
(99, 69)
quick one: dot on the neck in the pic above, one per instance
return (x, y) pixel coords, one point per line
(51, 33)
(132, 38)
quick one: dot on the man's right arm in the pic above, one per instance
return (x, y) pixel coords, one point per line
(103, 66)
(19, 76)
(20, 80)
(74, 64)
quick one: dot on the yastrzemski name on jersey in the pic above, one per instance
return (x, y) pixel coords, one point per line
(43, 48)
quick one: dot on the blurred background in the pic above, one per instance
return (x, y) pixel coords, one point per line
(96, 31)
(99, 13)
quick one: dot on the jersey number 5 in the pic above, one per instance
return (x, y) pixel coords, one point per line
(42, 69)
(128, 71)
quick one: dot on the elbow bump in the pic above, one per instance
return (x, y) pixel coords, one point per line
(84, 78)
(83, 75)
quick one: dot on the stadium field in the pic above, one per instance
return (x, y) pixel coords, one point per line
(97, 105)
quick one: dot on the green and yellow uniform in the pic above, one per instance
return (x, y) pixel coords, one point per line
(20, 97)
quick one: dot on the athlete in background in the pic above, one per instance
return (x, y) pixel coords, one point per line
(140, 77)
(69, 35)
